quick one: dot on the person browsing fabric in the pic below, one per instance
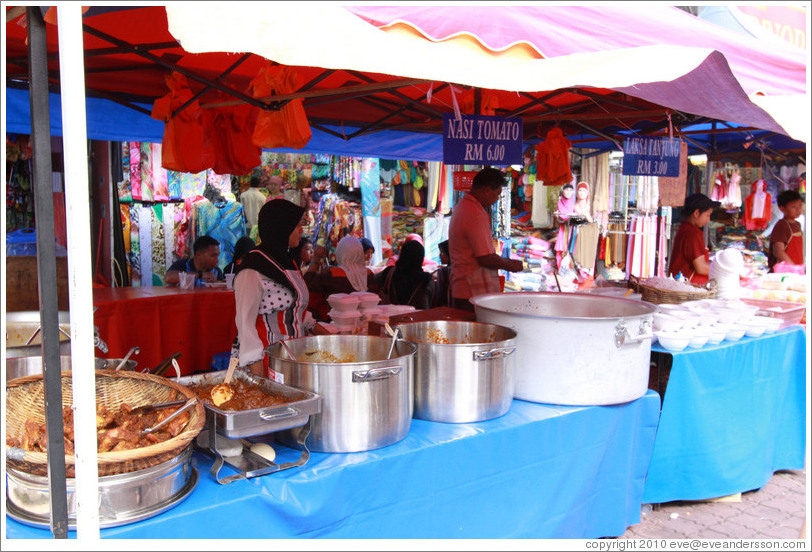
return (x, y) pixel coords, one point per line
(787, 238)
(689, 255)
(206, 255)
(350, 274)
(474, 262)
(269, 291)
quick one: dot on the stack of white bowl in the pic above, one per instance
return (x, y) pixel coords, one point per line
(725, 269)
(708, 321)
(368, 305)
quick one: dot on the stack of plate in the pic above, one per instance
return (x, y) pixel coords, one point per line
(725, 269)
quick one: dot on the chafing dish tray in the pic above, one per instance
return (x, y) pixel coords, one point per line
(299, 405)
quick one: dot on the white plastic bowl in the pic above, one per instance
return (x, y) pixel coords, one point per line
(672, 341)
(666, 322)
(771, 323)
(343, 301)
(668, 308)
(366, 299)
(735, 332)
(344, 315)
(699, 337)
(729, 316)
(717, 333)
(755, 327)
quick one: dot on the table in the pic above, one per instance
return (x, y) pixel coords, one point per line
(539, 471)
(732, 414)
(162, 320)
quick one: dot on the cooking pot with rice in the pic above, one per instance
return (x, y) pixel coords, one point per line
(367, 397)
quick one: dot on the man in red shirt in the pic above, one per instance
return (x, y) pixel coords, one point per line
(474, 262)
(689, 255)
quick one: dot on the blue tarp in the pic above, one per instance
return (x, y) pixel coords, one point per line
(108, 120)
(539, 471)
(732, 415)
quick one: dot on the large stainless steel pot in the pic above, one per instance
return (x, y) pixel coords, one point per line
(31, 365)
(464, 371)
(23, 325)
(367, 398)
(575, 349)
(123, 498)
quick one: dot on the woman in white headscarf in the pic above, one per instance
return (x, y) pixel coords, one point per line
(350, 274)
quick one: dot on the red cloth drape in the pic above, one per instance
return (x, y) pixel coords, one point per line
(553, 159)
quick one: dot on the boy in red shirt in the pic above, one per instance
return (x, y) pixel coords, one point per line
(689, 255)
(787, 239)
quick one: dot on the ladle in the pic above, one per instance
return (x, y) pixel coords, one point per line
(223, 392)
(136, 350)
(394, 334)
(287, 348)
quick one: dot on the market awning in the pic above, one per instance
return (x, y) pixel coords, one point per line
(369, 70)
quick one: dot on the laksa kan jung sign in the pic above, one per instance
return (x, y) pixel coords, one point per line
(481, 140)
(651, 156)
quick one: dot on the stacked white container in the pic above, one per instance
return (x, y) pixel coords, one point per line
(725, 269)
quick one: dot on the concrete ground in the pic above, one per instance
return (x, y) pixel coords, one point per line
(776, 511)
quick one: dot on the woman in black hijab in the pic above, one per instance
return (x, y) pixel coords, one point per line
(407, 283)
(270, 294)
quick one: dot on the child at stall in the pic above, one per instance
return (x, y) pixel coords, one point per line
(787, 239)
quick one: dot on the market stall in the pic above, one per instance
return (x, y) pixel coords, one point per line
(732, 414)
(539, 471)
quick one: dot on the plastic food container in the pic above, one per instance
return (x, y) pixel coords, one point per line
(343, 301)
(366, 299)
(699, 337)
(717, 334)
(735, 332)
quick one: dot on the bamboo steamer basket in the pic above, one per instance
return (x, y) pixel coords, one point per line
(25, 399)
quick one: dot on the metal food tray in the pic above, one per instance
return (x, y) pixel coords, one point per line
(295, 412)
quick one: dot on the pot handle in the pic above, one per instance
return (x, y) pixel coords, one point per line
(278, 414)
(623, 337)
(494, 353)
(375, 374)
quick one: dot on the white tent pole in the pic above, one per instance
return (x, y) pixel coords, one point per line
(80, 292)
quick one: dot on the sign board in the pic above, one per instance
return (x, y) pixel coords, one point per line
(646, 156)
(481, 140)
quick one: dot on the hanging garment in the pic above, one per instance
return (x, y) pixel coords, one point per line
(287, 127)
(135, 245)
(192, 185)
(160, 184)
(173, 184)
(223, 222)
(672, 189)
(124, 187)
(146, 171)
(586, 246)
(135, 170)
(758, 207)
(719, 190)
(553, 159)
(145, 241)
(187, 139)
(158, 245)
(168, 217)
(733, 198)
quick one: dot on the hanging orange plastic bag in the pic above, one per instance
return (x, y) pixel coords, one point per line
(187, 142)
(234, 126)
(286, 127)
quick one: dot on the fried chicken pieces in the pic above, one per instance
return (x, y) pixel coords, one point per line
(116, 430)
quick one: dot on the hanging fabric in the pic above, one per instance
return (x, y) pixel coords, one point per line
(146, 172)
(135, 244)
(758, 207)
(135, 170)
(160, 183)
(158, 245)
(672, 190)
(553, 159)
(123, 185)
(145, 241)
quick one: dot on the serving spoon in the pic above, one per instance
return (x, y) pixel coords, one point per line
(223, 392)
(394, 333)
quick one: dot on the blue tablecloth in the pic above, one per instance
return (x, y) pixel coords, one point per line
(732, 415)
(540, 471)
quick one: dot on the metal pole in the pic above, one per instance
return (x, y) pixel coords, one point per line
(46, 269)
(74, 131)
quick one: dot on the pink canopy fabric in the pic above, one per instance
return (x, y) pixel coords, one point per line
(771, 69)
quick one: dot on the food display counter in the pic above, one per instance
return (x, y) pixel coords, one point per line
(198, 323)
(539, 471)
(732, 414)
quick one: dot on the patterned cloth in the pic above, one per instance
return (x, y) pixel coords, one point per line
(145, 240)
(135, 245)
(146, 172)
(124, 188)
(192, 185)
(158, 245)
(169, 233)
(135, 170)
(173, 185)
(160, 184)
(223, 222)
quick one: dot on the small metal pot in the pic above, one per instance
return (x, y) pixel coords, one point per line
(367, 401)
(31, 365)
(22, 326)
(464, 371)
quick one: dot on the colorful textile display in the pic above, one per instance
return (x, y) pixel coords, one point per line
(160, 184)
(146, 172)
(168, 217)
(135, 170)
(135, 245)
(158, 245)
(174, 184)
(222, 221)
(124, 187)
(192, 185)
(145, 241)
